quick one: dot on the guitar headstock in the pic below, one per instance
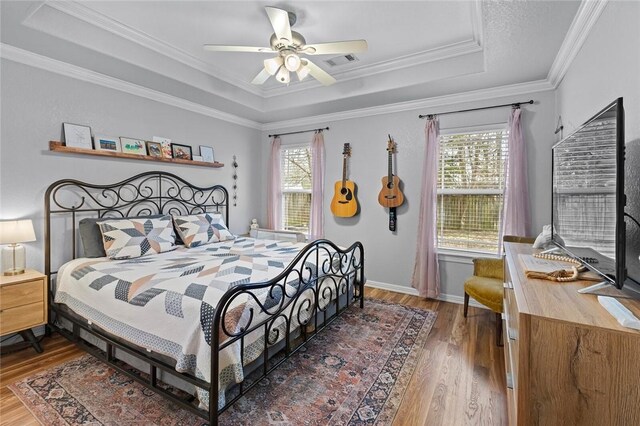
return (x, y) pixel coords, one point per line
(391, 145)
(347, 150)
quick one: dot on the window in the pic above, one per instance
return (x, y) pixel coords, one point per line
(470, 189)
(296, 188)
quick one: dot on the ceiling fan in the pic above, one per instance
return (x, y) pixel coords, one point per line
(289, 45)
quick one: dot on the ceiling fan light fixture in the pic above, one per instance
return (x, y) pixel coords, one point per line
(283, 75)
(292, 62)
(303, 72)
(273, 65)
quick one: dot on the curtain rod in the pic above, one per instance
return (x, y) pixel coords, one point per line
(512, 104)
(301, 131)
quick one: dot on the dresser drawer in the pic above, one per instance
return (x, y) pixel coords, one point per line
(25, 293)
(21, 318)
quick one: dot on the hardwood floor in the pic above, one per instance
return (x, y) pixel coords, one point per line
(459, 379)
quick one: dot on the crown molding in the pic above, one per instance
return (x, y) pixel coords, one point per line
(52, 65)
(586, 17)
(93, 17)
(438, 101)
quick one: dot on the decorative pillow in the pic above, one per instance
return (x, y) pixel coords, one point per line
(126, 239)
(92, 244)
(198, 229)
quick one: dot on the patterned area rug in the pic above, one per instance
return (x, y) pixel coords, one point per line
(353, 373)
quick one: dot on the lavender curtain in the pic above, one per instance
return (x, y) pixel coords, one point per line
(516, 216)
(317, 186)
(426, 275)
(274, 189)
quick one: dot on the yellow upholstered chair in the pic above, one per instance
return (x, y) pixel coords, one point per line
(486, 284)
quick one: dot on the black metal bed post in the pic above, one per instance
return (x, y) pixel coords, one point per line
(214, 391)
(362, 279)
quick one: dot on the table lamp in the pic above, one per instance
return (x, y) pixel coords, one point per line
(13, 232)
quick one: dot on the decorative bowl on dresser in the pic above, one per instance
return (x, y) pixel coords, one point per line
(23, 305)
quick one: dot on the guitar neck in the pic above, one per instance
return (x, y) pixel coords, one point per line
(344, 171)
(390, 167)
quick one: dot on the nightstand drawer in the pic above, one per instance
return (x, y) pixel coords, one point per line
(25, 293)
(22, 317)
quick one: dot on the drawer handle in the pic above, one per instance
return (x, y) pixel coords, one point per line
(508, 285)
(509, 381)
(513, 335)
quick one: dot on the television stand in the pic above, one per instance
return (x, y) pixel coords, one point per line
(605, 288)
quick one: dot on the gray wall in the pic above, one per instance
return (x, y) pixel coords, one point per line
(390, 256)
(35, 103)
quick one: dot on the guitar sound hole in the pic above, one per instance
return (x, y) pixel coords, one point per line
(389, 185)
(344, 191)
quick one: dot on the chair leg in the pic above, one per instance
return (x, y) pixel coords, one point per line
(466, 303)
(499, 330)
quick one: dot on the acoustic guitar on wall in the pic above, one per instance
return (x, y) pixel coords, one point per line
(344, 202)
(390, 195)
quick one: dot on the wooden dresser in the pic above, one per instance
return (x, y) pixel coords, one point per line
(568, 360)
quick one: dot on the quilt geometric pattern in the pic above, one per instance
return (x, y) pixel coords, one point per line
(165, 303)
(131, 238)
(199, 229)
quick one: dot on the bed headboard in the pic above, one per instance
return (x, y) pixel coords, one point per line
(146, 194)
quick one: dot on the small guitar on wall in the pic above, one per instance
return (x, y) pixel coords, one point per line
(390, 195)
(344, 202)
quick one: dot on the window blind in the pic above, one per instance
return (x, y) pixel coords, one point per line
(296, 188)
(471, 177)
(584, 186)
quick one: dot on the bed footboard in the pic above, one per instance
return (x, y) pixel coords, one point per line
(319, 284)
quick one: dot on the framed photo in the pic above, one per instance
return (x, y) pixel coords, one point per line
(106, 143)
(166, 146)
(181, 151)
(77, 136)
(133, 146)
(154, 149)
(207, 153)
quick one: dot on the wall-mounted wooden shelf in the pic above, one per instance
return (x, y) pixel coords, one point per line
(58, 146)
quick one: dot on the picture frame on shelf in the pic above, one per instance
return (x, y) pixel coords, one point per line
(206, 152)
(106, 143)
(182, 152)
(77, 136)
(154, 149)
(133, 146)
(166, 146)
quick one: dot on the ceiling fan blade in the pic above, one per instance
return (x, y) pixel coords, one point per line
(280, 22)
(318, 73)
(336, 47)
(225, 48)
(261, 77)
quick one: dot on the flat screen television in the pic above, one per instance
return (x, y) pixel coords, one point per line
(588, 201)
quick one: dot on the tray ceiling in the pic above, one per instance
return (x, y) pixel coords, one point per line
(417, 49)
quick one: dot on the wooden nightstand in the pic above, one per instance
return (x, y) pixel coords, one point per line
(23, 304)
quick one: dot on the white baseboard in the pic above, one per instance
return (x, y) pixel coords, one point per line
(413, 292)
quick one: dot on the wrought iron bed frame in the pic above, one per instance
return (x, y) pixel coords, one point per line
(165, 193)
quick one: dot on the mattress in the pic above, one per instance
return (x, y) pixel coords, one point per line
(166, 302)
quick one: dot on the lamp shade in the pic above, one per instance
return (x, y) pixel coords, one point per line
(273, 64)
(16, 231)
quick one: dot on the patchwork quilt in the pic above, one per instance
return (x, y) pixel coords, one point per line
(166, 302)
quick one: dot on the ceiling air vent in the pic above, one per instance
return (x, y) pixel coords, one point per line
(341, 60)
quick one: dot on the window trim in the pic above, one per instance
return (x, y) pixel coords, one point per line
(451, 131)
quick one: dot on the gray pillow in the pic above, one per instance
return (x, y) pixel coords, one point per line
(92, 244)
